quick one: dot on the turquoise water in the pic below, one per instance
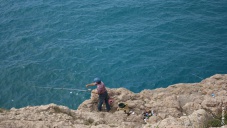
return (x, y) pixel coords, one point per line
(133, 44)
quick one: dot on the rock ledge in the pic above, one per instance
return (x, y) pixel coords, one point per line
(177, 106)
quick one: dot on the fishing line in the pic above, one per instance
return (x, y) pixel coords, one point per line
(48, 96)
(197, 76)
(68, 89)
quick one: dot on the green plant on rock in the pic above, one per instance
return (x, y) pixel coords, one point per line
(216, 122)
(225, 121)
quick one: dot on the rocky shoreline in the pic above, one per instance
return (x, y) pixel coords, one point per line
(177, 106)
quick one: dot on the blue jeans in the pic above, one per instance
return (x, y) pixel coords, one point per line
(103, 97)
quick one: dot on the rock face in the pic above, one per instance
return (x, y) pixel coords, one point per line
(177, 106)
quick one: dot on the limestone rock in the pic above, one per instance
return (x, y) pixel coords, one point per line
(177, 106)
(190, 107)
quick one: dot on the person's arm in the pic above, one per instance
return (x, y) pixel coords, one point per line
(91, 84)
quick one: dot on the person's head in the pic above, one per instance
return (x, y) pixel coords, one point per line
(97, 80)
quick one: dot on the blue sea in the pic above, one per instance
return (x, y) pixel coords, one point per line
(135, 44)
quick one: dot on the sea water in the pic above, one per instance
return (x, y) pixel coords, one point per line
(135, 44)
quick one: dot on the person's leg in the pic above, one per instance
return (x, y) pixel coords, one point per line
(107, 102)
(101, 98)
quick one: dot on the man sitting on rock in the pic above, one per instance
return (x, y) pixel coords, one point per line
(102, 92)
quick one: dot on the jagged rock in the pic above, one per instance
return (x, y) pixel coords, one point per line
(153, 119)
(190, 107)
(177, 106)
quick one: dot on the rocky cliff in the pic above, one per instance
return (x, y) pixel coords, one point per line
(177, 106)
